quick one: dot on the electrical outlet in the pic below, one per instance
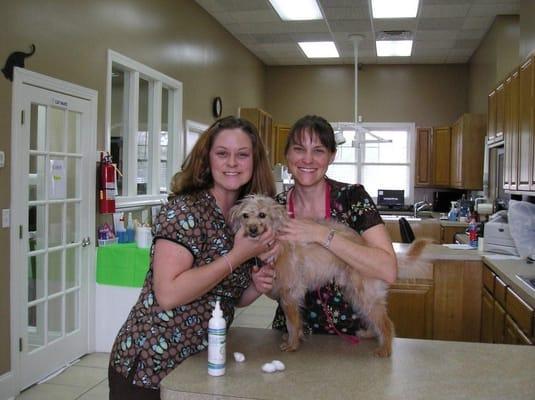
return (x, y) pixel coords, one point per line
(6, 220)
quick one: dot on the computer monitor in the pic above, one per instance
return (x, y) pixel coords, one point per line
(389, 198)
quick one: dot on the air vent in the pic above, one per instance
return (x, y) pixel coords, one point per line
(394, 35)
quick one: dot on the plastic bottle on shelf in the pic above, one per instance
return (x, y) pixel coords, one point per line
(472, 232)
(217, 337)
(130, 231)
(452, 215)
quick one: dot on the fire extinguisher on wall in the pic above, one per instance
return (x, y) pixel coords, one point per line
(108, 184)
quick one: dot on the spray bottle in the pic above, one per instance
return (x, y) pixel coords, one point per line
(217, 335)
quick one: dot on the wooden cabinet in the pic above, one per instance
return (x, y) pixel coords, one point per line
(447, 233)
(433, 156)
(423, 157)
(526, 131)
(491, 118)
(421, 229)
(281, 135)
(511, 131)
(264, 124)
(505, 317)
(467, 152)
(410, 307)
(441, 156)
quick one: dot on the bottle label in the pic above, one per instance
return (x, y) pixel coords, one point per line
(216, 351)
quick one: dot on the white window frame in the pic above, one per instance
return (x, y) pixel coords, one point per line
(193, 127)
(175, 152)
(387, 126)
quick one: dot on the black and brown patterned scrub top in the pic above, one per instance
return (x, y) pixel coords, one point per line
(153, 341)
(350, 205)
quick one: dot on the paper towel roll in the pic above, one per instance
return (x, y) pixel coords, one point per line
(143, 237)
(484, 208)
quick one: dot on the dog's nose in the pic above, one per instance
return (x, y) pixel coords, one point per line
(253, 229)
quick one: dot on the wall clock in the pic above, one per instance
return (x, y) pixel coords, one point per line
(217, 107)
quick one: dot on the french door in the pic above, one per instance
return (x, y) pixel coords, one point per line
(53, 213)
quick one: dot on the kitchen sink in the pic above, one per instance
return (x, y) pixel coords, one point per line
(528, 280)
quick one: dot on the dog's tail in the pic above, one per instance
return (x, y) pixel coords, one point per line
(413, 264)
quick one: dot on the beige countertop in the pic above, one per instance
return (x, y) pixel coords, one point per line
(441, 252)
(327, 367)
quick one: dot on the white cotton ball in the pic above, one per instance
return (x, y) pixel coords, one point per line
(239, 357)
(269, 368)
(279, 365)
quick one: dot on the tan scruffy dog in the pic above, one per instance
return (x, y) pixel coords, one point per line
(303, 267)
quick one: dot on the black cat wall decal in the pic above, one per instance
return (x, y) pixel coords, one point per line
(15, 59)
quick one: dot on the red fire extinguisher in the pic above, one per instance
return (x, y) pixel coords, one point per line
(108, 186)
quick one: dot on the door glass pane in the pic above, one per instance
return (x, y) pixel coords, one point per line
(375, 177)
(72, 270)
(55, 225)
(73, 183)
(343, 172)
(37, 127)
(55, 315)
(73, 132)
(143, 148)
(36, 181)
(56, 129)
(346, 152)
(71, 312)
(36, 278)
(36, 326)
(72, 223)
(55, 263)
(395, 151)
(119, 97)
(36, 227)
(164, 139)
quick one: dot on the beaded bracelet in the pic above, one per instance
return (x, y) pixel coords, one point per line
(228, 262)
(329, 239)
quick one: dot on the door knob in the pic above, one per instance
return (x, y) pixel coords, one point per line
(86, 241)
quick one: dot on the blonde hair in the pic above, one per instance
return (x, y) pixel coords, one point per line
(195, 174)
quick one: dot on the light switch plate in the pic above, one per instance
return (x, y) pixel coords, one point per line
(6, 220)
(2, 159)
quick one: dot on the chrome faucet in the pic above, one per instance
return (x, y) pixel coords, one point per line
(423, 205)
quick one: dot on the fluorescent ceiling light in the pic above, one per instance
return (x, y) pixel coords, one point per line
(319, 49)
(297, 10)
(394, 48)
(394, 8)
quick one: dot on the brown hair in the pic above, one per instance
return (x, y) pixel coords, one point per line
(311, 125)
(195, 174)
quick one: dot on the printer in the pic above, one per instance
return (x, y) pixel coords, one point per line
(498, 238)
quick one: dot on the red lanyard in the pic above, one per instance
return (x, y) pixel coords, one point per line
(291, 212)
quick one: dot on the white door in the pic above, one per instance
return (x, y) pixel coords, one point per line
(53, 189)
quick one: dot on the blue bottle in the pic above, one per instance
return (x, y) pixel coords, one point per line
(453, 214)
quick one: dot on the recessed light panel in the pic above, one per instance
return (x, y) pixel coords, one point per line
(319, 49)
(394, 48)
(297, 10)
(394, 8)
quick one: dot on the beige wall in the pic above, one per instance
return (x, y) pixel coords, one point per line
(496, 56)
(175, 37)
(527, 28)
(425, 94)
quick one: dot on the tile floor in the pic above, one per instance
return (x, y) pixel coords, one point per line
(87, 379)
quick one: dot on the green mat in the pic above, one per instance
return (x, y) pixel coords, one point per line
(122, 265)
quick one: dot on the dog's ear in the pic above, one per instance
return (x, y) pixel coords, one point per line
(234, 216)
(278, 214)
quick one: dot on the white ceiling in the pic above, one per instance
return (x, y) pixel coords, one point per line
(445, 31)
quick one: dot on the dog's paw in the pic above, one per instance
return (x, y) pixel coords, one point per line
(383, 352)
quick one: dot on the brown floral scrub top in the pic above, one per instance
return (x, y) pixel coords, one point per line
(351, 205)
(153, 341)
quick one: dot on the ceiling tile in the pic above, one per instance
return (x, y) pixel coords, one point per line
(435, 35)
(343, 3)
(444, 11)
(491, 10)
(347, 13)
(355, 25)
(482, 23)
(255, 16)
(434, 44)
(408, 24)
(434, 24)
(466, 44)
(471, 34)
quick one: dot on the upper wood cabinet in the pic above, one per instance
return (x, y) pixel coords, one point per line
(511, 131)
(491, 118)
(525, 150)
(264, 124)
(433, 156)
(423, 156)
(441, 156)
(467, 152)
(281, 135)
(500, 112)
